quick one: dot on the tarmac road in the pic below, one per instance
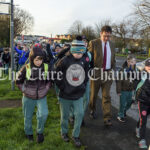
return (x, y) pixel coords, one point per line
(121, 136)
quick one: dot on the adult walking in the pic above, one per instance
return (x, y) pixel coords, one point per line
(104, 61)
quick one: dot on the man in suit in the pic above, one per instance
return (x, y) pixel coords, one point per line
(104, 62)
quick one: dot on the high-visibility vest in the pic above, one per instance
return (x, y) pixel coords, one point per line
(28, 71)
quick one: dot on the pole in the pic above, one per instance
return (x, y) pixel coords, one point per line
(12, 45)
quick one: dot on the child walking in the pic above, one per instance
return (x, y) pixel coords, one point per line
(74, 68)
(34, 83)
(143, 98)
(125, 86)
(6, 60)
(86, 97)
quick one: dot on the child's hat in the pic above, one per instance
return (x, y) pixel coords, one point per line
(35, 51)
(147, 62)
(78, 47)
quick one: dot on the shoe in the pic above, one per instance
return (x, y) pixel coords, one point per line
(40, 138)
(71, 121)
(29, 137)
(76, 141)
(142, 144)
(137, 131)
(121, 119)
(125, 114)
(108, 122)
(93, 114)
(65, 137)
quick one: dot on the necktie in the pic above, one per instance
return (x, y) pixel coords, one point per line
(104, 57)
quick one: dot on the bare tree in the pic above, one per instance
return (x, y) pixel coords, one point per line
(127, 34)
(142, 13)
(89, 32)
(76, 28)
(121, 31)
(100, 24)
(23, 21)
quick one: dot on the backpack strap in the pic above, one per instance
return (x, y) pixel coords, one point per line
(90, 56)
(141, 82)
(45, 70)
(28, 71)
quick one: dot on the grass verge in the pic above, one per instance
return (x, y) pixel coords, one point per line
(12, 125)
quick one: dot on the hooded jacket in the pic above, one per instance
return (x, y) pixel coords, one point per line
(36, 87)
(72, 72)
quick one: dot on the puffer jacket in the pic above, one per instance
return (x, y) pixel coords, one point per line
(36, 87)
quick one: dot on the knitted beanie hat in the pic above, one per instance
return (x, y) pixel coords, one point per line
(78, 47)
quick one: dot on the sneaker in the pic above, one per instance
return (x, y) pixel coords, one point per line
(76, 141)
(125, 114)
(137, 131)
(121, 119)
(29, 137)
(108, 123)
(93, 114)
(142, 144)
(40, 138)
(65, 137)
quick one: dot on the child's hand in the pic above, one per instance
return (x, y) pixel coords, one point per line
(119, 94)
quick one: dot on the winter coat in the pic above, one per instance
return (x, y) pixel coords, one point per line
(6, 58)
(143, 93)
(36, 87)
(124, 82)
(23, 56)
(73, 71)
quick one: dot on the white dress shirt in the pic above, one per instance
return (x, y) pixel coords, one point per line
(108, 59)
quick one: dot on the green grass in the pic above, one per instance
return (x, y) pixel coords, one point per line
(137, 56)
(12, 135)
(6, 93)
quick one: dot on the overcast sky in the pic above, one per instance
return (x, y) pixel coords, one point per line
(56, 16)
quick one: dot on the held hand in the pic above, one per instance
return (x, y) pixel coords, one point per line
(119, 94)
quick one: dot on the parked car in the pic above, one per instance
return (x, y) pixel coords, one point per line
(142, 52)
(140, 65)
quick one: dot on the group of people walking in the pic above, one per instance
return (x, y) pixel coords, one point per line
(71, 73)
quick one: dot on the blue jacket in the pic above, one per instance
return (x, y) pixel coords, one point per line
(23, 56)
